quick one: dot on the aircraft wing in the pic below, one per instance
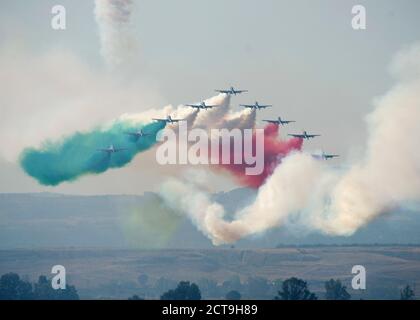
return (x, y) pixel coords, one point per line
(222, 91)
(247, 105)
(264, 106)
(160, 120)
(119, 149)
(241, 91)
(297, 135)
(288, 121)
(330, 156)
(193, 105)
(313, 135)
(103, 150)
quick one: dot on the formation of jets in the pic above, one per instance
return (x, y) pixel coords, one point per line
(203, 106)
(112, 149)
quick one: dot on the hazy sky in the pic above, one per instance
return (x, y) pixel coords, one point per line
(301, 56)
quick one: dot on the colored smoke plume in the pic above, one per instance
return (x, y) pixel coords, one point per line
(275, 149)
(320, 198)
(78, 155)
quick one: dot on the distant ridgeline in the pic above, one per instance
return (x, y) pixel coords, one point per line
(143, 222)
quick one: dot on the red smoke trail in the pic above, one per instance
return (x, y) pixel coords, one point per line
(275, 150)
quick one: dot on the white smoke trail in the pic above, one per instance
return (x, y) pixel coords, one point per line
(286, 191)
(336, 203)
(389, 174)
(244, 119)
(212, 117)
(113, 18)
(221, 117)
(193, 117)
(218, 117)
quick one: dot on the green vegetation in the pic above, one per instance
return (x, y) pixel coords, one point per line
(254, 274)
(334, 290)
(12, 287)
(407, 293)
(184, 291)
(233, 295)
(295, 289)
(135, 297)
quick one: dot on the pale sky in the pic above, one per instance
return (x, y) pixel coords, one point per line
(301, 56)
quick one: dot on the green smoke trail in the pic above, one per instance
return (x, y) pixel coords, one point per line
(78, 155)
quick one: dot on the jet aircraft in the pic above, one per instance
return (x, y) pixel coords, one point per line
(304, 135)
(201, 106)
(138, 134)
(256, 106)
(280, 121)
(168, 119)
(111, 149)
(231, 91)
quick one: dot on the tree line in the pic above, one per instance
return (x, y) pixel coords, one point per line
(291, 289)
(13, 287)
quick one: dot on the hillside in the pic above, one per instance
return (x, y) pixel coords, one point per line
(53, 220)
(115, 273)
